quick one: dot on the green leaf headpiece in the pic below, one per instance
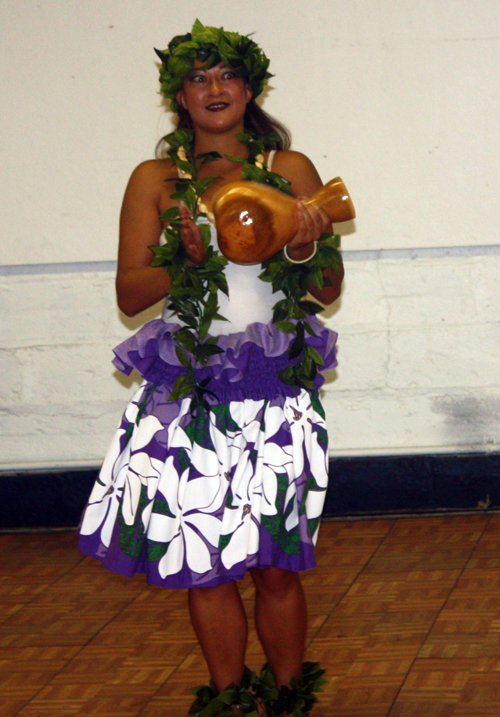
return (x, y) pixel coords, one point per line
(211, 45)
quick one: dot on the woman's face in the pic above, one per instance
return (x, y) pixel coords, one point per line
(216, 99)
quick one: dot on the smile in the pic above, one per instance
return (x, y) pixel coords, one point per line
(217, 106)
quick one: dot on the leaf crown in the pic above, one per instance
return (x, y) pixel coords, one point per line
(211, 45)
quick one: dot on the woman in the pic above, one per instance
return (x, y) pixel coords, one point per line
(219, 464)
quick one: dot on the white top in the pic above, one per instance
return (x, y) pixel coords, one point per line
(250, 298)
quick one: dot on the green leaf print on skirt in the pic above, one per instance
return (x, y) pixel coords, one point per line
(196, 500)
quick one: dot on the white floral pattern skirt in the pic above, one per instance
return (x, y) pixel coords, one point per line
(197, 499)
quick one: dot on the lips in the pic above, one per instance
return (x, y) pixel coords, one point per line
(217, 106)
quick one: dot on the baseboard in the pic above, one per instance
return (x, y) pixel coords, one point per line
(44, 499)
(359, 487)
(413, 484)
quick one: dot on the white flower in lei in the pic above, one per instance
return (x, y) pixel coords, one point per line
(203, 209)
(259, 161)
(200, 206)
(181, 153)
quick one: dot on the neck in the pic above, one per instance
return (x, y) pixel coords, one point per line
(223, 143)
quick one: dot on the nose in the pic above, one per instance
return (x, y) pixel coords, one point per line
(215, 86)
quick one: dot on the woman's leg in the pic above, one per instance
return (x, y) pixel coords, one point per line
(281, 620)
(220, 623)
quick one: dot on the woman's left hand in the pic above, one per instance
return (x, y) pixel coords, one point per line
(313, 222)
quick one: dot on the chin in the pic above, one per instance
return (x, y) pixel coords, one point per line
(220, 125)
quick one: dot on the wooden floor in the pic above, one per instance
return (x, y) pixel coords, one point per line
(404, 614)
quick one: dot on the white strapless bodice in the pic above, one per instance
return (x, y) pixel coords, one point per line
(250, 299)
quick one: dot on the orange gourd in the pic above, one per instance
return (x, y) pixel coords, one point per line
(254, 221)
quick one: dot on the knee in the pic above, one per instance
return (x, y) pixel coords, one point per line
(208, 595)
(275, 582)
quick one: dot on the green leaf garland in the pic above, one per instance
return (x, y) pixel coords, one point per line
(298, 699)
(194, 293)
(294, 281)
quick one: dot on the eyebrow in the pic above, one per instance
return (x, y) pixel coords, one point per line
(203, 69)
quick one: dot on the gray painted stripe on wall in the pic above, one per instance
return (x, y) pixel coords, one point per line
(431, 252)
(79, 267)
(70, 267)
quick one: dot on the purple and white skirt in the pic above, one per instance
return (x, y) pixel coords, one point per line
(197, 500)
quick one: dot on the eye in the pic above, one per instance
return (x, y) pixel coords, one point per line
(230, 75)
(197, 78)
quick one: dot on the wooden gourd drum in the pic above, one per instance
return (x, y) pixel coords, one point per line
(254, 221)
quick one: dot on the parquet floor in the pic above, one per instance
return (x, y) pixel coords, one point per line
(404, 614)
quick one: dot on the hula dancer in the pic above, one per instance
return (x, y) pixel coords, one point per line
(219, 465)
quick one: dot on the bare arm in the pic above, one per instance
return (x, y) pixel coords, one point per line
(138, 284)
(313, 221)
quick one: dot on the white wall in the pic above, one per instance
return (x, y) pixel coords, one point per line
(400, 99)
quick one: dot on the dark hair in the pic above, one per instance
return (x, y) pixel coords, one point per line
(261, 122)
(255, 119)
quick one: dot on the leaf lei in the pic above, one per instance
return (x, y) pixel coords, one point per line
(194, 293)
(290, 314)
(298, 699)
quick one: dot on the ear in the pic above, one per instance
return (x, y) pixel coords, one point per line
(248, 92)
(181, 98)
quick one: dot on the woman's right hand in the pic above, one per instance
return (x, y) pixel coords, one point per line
(138, 284)
(191, 238)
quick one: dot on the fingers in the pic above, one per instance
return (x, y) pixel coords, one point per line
(188, 227)
(313, 221)
(191, 238)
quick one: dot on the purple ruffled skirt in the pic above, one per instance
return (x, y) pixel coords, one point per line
(197, 500)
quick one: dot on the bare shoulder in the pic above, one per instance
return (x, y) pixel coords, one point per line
(292, 160)
(299, 170)
(152, 172)
(149, 186)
